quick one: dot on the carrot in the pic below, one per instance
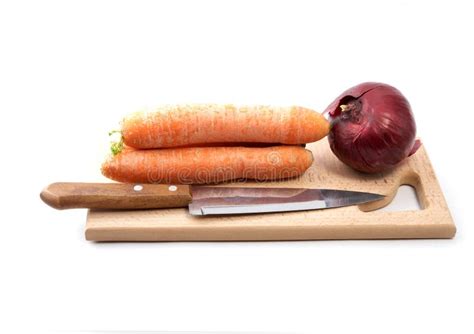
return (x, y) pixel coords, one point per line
(117, 147)
(195, 124)
(234, 144)
(207, 165)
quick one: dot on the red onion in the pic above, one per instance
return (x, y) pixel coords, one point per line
(372, 127)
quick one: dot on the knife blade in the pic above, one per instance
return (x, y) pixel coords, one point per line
(200, 200)
(230, 200)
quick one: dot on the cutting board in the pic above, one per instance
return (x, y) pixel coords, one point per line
(354, 222)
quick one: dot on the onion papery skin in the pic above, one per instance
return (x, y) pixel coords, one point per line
(376, 131)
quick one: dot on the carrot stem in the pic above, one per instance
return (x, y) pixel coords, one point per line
(116, 146)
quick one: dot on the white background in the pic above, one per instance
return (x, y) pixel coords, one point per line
(70, 70)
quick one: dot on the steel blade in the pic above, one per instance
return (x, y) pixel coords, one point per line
(245, 200)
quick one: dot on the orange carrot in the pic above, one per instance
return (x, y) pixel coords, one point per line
(182, 125)
(234, 144)
(207, 165)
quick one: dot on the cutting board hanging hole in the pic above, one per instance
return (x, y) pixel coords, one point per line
(406, 199)
(411, 197)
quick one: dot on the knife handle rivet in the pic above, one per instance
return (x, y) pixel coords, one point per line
(172, 188)
(138, 187)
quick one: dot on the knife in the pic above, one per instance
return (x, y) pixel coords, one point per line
(201, 200)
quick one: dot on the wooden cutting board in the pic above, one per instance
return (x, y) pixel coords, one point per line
(354, 222)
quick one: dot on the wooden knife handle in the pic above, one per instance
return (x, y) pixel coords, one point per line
(67, 195)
